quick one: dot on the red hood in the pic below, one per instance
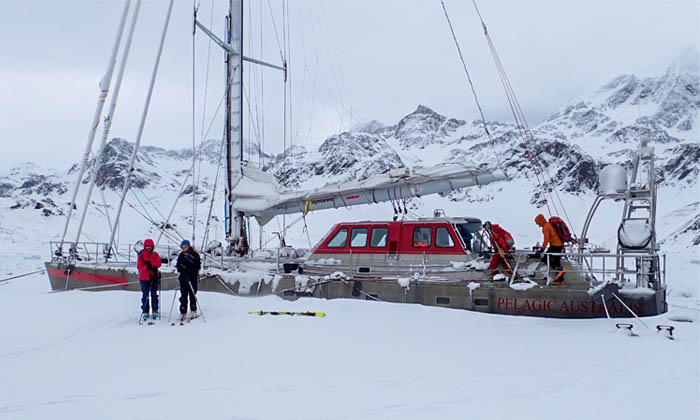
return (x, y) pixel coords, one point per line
(148, 242)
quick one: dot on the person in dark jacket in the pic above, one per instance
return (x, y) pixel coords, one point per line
(148, 263)
(188, 265)
(466, 235)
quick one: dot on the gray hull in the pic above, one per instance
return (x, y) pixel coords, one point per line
(569, 301)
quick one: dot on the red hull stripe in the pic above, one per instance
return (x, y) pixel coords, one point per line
(95, 278)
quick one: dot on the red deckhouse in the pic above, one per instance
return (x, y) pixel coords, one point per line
(372, 247)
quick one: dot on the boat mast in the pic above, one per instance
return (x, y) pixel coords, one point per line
(233, 45)
(137, 142)
(107, 124)
(235, 235)
(104, 89)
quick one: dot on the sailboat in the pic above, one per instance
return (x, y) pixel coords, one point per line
(428, 261)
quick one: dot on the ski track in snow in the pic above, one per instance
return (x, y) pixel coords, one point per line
(82, 353)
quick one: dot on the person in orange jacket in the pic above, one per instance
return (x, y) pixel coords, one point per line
(148, 264)
(552, 239)
(502, 242)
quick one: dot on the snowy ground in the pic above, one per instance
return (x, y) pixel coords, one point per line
(82, 355)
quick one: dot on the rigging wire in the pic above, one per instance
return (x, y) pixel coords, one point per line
(284, 119)
(331, 66)
(206, 80)
(335, 55)
(194, 109)
(213, 194)
(261, 150)
(471, 85)
(517, 111)
(331, 93)
(274, 25)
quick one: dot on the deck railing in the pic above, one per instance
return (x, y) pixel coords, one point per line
(649, 269)
(644, 270)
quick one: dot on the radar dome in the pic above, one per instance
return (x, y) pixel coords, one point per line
(613, 180)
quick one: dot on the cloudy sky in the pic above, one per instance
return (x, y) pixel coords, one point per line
(349, 61)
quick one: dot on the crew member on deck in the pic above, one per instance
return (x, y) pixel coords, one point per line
(502, 243)
(555, 246)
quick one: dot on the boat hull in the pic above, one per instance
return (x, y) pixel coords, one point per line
(571, 301)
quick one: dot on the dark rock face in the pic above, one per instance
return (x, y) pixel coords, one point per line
(684, 165)
(346, 157)
(115, 165)
(6, 189)
(423, 127)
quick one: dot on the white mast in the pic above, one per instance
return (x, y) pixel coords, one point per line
(233, 45)
(127, 181)
(104, 89)
(235, 234)
(110, 113)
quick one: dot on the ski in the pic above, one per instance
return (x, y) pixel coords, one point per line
(184, 319)
(318, 314)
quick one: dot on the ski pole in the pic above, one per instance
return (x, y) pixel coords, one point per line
(160, 301)
(172, 304)
(196, 301)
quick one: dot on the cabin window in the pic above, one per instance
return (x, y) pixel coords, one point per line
(358, 239)
(421, 237)
(379, 235)
(339, 239)
(443, 238)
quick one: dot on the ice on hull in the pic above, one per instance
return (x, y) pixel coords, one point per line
(571, 301)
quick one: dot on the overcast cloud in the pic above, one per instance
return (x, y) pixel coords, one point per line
(382, 59)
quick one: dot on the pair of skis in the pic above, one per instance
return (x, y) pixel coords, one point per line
(186, 318)
(144, 320)
(317, 314)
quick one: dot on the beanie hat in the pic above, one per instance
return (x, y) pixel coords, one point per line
(185, 242)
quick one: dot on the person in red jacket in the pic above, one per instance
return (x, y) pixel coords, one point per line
(502, 242)
(148, 264)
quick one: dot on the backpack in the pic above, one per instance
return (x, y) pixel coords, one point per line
(562, 230)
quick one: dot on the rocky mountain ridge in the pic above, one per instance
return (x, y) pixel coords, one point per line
(570, 148)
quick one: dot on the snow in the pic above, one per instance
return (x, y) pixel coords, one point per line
(635, 233)
(613, 180)
(327, 261)
(81, 355)
(404, 282)
(527, 284)
(473, 286)
(363, 360)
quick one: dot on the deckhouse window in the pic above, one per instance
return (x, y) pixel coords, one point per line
(339, 239)
(358, 239)
(379, 235)
(421, 237)
(443, 238)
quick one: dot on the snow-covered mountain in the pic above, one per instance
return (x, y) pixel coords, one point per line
(572, 146)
